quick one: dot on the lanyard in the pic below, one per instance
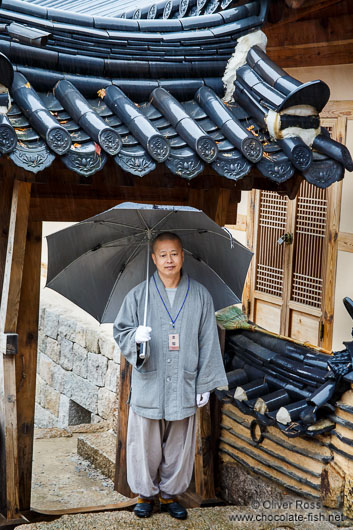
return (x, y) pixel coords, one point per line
(182, 305)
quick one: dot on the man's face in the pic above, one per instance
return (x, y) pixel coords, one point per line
(168, 257)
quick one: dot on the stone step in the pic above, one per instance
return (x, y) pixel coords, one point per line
(100, 450)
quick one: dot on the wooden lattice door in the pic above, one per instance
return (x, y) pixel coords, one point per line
(292, 283)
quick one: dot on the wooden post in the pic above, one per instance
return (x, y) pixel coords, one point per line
(204, 470)
(26, 360)
(8, 325)
(6, 185)
(120, 483)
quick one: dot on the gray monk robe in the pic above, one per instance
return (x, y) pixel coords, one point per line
(165, 384)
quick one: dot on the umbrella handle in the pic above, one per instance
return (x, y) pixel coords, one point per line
(144, 344)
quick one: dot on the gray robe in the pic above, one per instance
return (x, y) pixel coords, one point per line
(165, 384)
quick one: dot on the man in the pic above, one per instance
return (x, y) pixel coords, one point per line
(182, 365)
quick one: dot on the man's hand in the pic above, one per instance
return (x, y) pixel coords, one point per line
(202, 399)
(143, 334)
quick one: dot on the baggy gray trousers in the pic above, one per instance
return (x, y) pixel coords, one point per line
(160, 455)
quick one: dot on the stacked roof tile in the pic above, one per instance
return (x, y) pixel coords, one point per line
(285, 384)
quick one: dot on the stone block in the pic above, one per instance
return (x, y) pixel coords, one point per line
(42, 341)
(106, 403)
(80, 361)
(41, 389)
(106, 346)
(111, 376)
(238, 486)
(51, 400)
(43, 418)
(51, 323)
(348, 497)
(45, 368)
(91, 336)
(52, 349)
(97, 367)
(84, 393)
(67, 328)
(116, 354)
(41, 318)
(66, 353)
(80, 335)
(58, 378)
(64, 405)
(38, 361)
(68, 383)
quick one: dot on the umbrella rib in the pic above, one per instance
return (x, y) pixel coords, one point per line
(163, 219)
(112, 223)
(129, 259)
(200, 231)
(142, 219)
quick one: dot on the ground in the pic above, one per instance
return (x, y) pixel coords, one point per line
(62, 479)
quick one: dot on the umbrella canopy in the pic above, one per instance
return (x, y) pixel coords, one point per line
(96, 262)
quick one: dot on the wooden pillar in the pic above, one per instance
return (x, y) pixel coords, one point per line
(12, 280)
(120, 483)
(6, 185)
(26, 359)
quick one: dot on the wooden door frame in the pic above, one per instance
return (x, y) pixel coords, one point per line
(340, 111)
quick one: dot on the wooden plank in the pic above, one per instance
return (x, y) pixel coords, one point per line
(282, 15)
(249, 286)
(288, 267)
(120, 483)
(335, 109)
(11, 453)
(6, 187)
(304, 327)
(268, 315)
(334, 200)
(216, 203)
(15, 256)
(8, 323)
(304, 308)
(204, 473)
(26, 360)
(241, 225)
(345, 241)
(319, 54)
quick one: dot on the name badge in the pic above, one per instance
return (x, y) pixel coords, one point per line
(174, 341)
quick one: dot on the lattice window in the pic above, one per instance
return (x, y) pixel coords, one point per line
(309, 245)
(272, 224)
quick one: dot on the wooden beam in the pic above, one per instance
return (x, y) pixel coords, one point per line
(318, 54)
(345, 242)
(216, 204)
(313, 42)
(15, 256)
(204, 470)
(6, 187)
(26, 360)
(9, 310)
(120, 483)
(279, 14)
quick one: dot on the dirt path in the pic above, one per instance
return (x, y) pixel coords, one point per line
(61, 479)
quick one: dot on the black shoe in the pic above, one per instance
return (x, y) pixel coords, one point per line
(174, 508)
(143, 508)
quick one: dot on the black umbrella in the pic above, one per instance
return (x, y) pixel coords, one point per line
(96, 262)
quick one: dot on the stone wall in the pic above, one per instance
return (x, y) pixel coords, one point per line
(78, 369)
